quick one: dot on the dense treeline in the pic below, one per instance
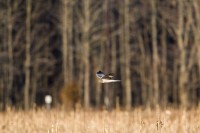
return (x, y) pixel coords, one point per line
(152, 46)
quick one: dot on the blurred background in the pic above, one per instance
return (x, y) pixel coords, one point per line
(55, 48)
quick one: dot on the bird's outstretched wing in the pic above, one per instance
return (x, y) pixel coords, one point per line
(109, 80)
(109, 76)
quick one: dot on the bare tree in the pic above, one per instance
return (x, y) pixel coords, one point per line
(155, 52)
(127, 55)
(142, 68)
(197, 32)
(86, 52)
(164, 74)
(28, 56)
(65, 39)
(3, 62)
(182, 58)
(10, 51)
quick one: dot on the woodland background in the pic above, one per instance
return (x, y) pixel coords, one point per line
(56, 47)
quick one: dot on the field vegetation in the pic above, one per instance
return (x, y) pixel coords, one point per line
(101, 121)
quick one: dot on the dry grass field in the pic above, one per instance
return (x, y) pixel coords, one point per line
(91, 121)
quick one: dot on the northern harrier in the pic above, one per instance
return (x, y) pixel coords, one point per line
(106, 78)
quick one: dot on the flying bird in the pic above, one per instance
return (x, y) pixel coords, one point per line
(106, 78)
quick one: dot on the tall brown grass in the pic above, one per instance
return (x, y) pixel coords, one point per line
(91, 121)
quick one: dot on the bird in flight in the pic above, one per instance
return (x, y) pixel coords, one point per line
(106, 78)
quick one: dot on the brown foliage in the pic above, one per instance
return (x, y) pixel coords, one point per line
(69, 95)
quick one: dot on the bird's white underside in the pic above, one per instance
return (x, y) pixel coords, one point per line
(109, 80)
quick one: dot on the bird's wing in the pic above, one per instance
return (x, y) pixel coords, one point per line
(109, 80)
(109, 76)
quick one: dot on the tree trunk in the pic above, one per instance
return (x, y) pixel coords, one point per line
(86, 51)
(28, 56)
(10, 53)
(155, 53)
(113, 67)
(64, 40)
(142, 71)
(70, 36)
(197, 34)
(34, 84)
(182, 56)
(164, 67)
(127, 55)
